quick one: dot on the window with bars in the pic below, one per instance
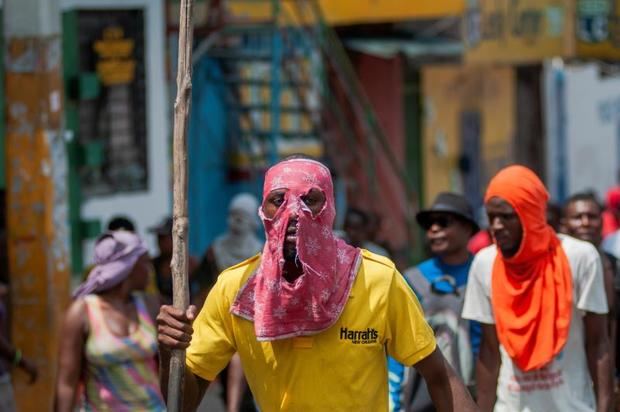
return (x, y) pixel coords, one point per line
(111, 46)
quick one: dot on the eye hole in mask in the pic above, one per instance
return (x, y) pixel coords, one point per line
(277, 198)
(315, 200)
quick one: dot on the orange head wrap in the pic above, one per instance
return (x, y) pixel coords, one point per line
(532, 290)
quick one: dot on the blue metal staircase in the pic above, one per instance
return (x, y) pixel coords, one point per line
(290, 83)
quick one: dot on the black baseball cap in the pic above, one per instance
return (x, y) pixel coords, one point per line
(448, 202)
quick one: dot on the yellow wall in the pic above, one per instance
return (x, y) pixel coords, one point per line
(519, 31)
(450, 90)
(342, 12)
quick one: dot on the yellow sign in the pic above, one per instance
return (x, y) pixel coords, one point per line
(598, 29)
(517, 31)
(336, 12)
(115, 65)
(342, 12)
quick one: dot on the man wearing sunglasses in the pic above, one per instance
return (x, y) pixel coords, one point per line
(439, 283)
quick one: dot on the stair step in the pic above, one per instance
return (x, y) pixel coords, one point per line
(267, 108)
(239, 54)
(258, 82)
(245, 55)
(238, 27)
(284, 135)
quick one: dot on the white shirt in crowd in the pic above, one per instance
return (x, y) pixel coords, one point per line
(565, 383)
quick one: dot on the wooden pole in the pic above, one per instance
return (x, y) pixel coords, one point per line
(180, 284)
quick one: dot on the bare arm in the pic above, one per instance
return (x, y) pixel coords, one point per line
(446, 389)
(8, 352)
(487, 368)
(599, 359)
(609, 274)
(74, 333)
(174, 331)
(194, 389)
(236, 384)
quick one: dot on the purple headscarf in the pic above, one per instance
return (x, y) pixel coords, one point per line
(116, 253)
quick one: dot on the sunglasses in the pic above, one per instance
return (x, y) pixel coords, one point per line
(443, 221)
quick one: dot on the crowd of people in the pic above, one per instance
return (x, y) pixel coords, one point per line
(514, 312)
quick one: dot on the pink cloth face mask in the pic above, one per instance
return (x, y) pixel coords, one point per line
(314, 301)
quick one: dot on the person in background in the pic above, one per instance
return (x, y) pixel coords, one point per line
(126, 224)
(582, 219)
(611, 230)
(483, 238)
(541, 300)
(357, 228)
(115, 223)
(161, 262)
(108, 336)
(121, 223)
(374, 233)
(439, 283)
(311, 317)
(554, 216)
(10, 357)
(611, 214)
(237, 244)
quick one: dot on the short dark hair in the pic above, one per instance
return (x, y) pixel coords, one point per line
(588, 196)
(121, 223)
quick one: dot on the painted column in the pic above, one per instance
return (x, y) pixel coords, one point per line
(555, 128)
(276, 92)
(36, 191)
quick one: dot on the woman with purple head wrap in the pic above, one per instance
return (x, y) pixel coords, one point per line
(109, 340)
(116, 253)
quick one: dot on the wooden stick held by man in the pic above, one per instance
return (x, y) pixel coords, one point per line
(180, 285)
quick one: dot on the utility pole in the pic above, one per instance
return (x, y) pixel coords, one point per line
(37, 229)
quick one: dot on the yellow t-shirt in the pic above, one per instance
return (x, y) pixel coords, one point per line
(343, 368)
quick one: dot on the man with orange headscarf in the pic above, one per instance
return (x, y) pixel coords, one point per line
(541, 299)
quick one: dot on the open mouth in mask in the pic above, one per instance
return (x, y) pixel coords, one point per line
(290, 241)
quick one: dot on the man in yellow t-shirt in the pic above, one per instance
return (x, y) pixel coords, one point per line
(312, 318)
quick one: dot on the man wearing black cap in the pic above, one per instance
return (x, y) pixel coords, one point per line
(439, 283)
